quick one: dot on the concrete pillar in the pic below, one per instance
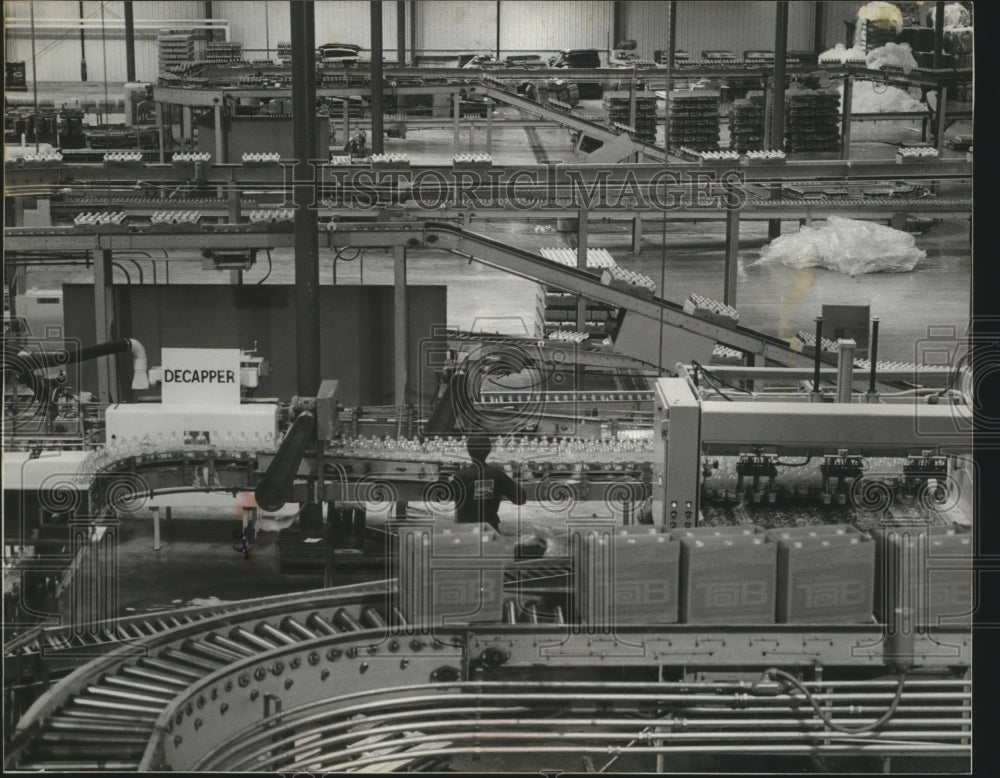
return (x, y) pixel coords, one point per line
(637, 234)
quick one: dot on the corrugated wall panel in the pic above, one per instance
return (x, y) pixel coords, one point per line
(554, 25)
(470, 26)
(345, 21)
(837, 12)
(647, 22)
(740, 26)
(58, 51)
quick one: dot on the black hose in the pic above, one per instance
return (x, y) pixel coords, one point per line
(269, 267)
(825, 717)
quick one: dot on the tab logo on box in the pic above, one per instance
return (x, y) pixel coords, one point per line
(204, 376)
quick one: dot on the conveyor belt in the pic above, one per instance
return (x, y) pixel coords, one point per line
(536, 268)
(494, 89)
(192, 696)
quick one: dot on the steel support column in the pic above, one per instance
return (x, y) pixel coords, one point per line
(400, 329)
(942, 107)
(306, 218)
(104, 321)
(845, 119)
(129, 42)
(221, 157)
(938, 34)
(378, 83)
(456, 102)
(498, 30)
(159, 131)
(777, 112)
(582, 239)
(637, 234)
(489, 125)
(413, 32)
(618, 31)
(819, 27)
(732, 255)
(401, 32)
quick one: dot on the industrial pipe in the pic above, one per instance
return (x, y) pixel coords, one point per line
(277, 479)
(31, 361)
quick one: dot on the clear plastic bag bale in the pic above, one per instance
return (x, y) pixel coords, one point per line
(847, 246)
(898, 55)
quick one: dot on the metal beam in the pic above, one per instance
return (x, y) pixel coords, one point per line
(582, 241)
(938, 34)
(732, 255)
(306, 219)
(819, 27)
(129, 42)
(400, 328)
(401, 32)
(780, 74)
(104, 322)
(378, 84)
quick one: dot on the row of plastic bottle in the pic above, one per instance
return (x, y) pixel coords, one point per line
(149, 444)
(453, 449)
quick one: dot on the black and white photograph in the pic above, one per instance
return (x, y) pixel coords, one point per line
(493, 386)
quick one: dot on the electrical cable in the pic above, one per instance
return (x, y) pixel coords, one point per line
(270, 265)
(709, 375)
(825, 717)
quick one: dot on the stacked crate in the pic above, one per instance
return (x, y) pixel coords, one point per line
(812, 120)
(176, 47)
(694, 119)
(223, 51)
(746, 123)
(619, 109)
(874, 36)
(284, 52)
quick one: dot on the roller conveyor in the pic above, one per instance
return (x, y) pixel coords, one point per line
(109, 711)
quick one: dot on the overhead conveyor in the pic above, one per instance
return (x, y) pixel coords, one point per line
(689, 334)
(495, 90)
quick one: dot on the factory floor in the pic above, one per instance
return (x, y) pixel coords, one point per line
(197, 561)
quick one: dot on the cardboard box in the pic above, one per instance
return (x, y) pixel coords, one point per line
(826, 575)
(728, 579)
(449, 577)
(929, 569)
(630, 576)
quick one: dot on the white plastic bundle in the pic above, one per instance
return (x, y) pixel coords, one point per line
(882, 14)
(898, 55)
(955, 15)
(846, 245)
